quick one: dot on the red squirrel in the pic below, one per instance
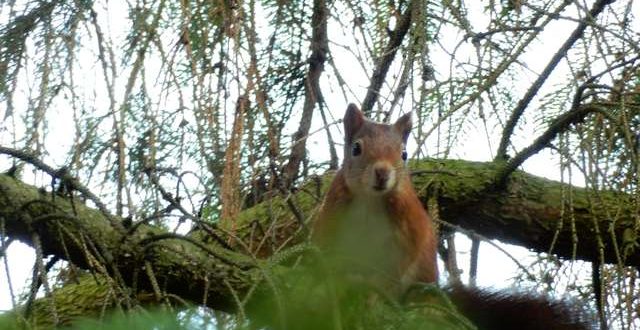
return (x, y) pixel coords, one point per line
(373, 218)
(372, 208)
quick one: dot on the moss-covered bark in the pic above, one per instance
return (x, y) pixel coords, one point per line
(533, 212)
(145, 259)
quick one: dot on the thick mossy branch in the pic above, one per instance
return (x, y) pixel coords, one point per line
(84, 297)
(147, 258)
(530, 211)
(536, 213)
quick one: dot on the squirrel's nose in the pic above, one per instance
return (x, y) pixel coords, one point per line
(381, 178)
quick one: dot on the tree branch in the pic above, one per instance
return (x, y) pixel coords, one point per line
(67, 179)
(182, 265)
(559, 125)
(530, 211)
(511, 123)
(382, 67)
(313, 96)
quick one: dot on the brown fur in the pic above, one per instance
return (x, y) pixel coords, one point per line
(417, 232)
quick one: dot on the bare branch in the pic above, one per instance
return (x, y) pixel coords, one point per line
(313, 94)
(382, 67)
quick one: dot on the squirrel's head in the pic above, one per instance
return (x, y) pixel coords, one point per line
(374, 153)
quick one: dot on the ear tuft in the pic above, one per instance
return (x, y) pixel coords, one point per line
(403, 126)
(353, 120)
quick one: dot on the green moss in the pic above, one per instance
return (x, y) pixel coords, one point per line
(85, 298)
(307, 199)
(452, 179)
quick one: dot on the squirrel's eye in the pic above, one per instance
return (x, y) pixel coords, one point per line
(356, 149)
(404, 155)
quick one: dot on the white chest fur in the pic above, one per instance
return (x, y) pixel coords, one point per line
(366, 240)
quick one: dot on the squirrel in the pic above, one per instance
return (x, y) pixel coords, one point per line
(373, 221)
(371, 213)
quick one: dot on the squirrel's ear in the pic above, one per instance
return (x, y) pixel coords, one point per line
(353, 120)
(403, 126)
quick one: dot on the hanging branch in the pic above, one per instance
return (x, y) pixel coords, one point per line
(333, 161)
(473, 263)
(230, 186)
